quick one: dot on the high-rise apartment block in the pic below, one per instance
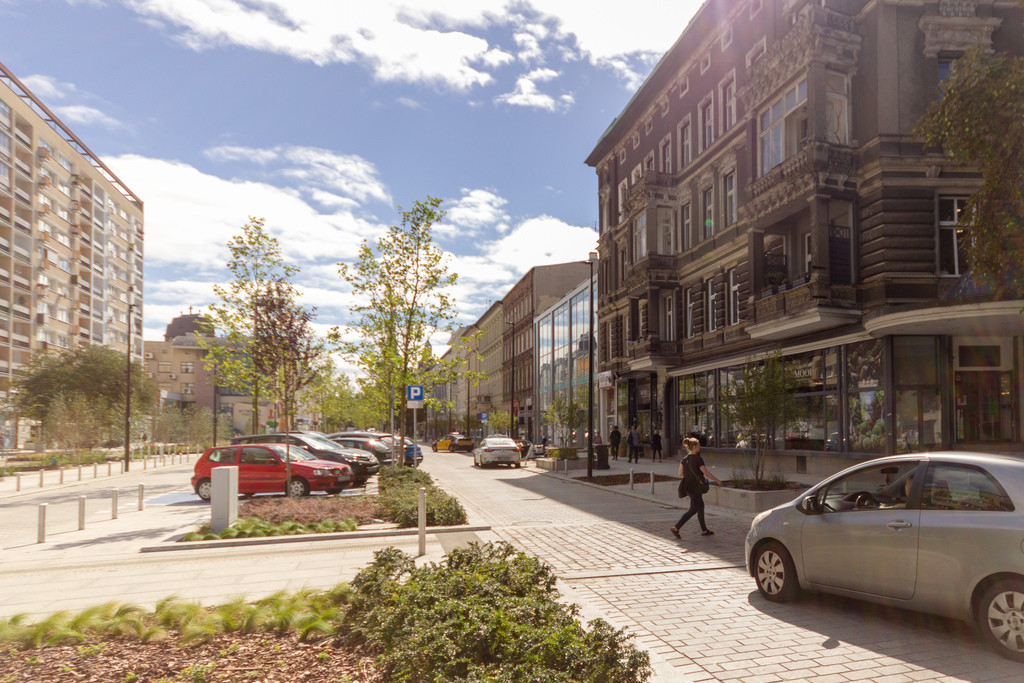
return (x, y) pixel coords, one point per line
(71, 243)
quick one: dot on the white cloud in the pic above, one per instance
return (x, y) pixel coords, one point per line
(86, 116)
(476, 211)
(527, 94)
(47, 87)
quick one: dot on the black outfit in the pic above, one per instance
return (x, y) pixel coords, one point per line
(633, 441)
(616, 438)
(691, 466)
(656, 447)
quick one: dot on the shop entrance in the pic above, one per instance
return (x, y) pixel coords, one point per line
(984, 406)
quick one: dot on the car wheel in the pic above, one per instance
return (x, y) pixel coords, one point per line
(204, 488)
(1001, 617)
(775, 572)
(298, 488)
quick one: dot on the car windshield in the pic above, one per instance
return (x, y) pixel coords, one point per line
(293, 453)
(503, 443)
(319, 441)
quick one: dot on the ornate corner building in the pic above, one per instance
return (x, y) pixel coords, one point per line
(71, 244)
(764, 189)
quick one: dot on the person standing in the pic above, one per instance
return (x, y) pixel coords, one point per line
(633, 442)
(656, 453)
(689, 466)
(614, 439)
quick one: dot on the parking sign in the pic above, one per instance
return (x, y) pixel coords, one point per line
(414, 392)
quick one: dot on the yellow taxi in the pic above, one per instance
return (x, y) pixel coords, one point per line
(454, 442)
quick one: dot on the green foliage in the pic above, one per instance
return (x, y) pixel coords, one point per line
(565, 416)
(81, 394)
(979, 122)
(758, 401)
(486, 613)
(399, 496)
(499, 421)
(254, 527)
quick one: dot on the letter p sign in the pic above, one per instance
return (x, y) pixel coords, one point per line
(414, 392)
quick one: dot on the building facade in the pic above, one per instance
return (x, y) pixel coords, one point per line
(71, 244)
(764, 190)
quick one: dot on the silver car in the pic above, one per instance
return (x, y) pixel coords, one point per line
(497, 449)
(941, 533)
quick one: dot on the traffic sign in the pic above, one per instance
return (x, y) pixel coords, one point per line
(414, 392)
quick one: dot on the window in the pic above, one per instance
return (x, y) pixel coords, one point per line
(756, 52)
(691, 312)
(836, 107)
(636, 174)
(707, 123)
(726, 40)
(712, 312)
(636, 140)
(963, 487)
(649, 163)
(755, 7)
(667, 316)
(729, 198)
(808, 253)
(623, 191)
(707, 201)
(728, 97)
(705, 62)
(684, 87)
(640, 237)
(686, 225)
(952, 236)
(783, 126)
(734, 297)
(187, 367)
(667, 240)
(945, 67)
(5, 114)
(648, 126)
(665, 154)
(685, 145)
(163, 366)
(188, 388)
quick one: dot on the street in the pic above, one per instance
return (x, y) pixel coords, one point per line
(690, 603)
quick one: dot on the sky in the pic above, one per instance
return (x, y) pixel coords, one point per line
(325, 116)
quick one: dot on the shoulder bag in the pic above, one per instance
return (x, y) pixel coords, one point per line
(702, 481)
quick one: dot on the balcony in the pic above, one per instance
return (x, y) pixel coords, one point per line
(650, 270)
(803, 308)
(804, 170)
(650, 352)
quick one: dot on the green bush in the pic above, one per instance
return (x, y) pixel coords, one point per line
(488, 613)
(399, 496)
(564, 453)
(254, 527)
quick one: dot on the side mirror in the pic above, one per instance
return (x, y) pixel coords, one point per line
(810, 505)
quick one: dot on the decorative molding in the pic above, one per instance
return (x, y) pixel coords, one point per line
(956, 33)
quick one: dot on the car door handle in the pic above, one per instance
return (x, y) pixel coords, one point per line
(898, 524)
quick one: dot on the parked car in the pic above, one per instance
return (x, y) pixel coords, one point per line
(262, 469)
(495, 450)
(362, 463)
(454, 442)
(411, 448)
(370, 444)
(934, 532)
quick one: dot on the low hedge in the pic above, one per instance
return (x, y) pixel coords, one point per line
(399, 496)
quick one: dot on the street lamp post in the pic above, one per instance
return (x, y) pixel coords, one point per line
(128, 388)
(591, 258)
(513, 419)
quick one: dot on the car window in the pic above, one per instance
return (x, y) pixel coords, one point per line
(318, 441)
(294, 453)
(254, 455)
(223, 455)
(951, 486)
(499, 442)
(886, 485)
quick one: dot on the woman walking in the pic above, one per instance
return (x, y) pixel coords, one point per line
(689, 467)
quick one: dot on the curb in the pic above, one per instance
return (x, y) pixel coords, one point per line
(305, 538)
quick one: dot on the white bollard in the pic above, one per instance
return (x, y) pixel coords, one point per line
(81, 512)
(422, 521)
(79, 473)
(95, 470)
(62, 474)
(631, 480)
(41, 470)
(652, 482)
(41, 535)
(110, 468)
(145, 463)
(17, 481)
(113, 505)
(141, 491)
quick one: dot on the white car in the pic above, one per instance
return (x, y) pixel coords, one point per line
(495, 450)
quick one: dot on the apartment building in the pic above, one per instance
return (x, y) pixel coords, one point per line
(71, 243)
(764, 189)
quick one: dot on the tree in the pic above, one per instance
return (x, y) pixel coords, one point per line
(499, 420)
(74, 423)
(255, 262)
(759, 401)
(400, 283)
(564, 416)
(979, 122)
(54, 383)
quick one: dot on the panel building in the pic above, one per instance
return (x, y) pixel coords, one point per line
(71, 244)
(764, 189)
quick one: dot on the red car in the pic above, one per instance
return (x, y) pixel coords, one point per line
(261, 469)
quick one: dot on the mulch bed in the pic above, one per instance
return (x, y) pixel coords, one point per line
(363, 509)
(231, 658)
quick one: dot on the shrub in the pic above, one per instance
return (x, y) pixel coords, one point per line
(486, 613)
(399, 496)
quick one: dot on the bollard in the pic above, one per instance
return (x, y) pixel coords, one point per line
(113, 505)
(41, 535)
(631, 480)
(110, 466)
(120, 464)
(566, 461)
(79, 473)
(41, 470)
(652, 482)
(81, 512)
(17, 481)
(141, 488)
(61, 474)
(422, 521)
(95, 470)
(145, 463)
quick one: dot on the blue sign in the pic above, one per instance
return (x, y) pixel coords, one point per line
(414, 392)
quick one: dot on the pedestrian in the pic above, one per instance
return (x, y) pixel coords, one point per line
(614, 439)
(690, 467)
(633, 442)
(656, 453)
(597, 438)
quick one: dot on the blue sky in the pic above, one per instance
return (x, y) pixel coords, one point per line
(323, 117)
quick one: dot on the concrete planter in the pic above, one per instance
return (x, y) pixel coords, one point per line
(749, 501)
(558, 464)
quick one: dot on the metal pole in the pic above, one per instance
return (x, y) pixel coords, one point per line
(81, 512)
(415, 463)
(142, 489)
(113, 505)
(128, 392)
(631, 480)
(590, 373)
(422, 521)
(41, 533)
(652, 481)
